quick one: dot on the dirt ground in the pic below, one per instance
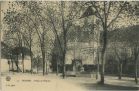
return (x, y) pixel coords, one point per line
(51, 82)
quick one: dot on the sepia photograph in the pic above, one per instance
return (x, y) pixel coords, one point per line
(69, 45)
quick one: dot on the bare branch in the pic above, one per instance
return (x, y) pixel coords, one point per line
(117, 15)
(97, 11)
(109, 6)
(55, 32)
(35, 27)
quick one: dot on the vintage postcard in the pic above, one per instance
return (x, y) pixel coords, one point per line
(69, 45)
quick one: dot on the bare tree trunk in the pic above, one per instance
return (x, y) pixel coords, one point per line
(22, 54)
(9, 64)
(37, 65)
(64, 67)
(12, 65)
(64, 51)
(31, 63)
(103, 55)
(136, 53)
(102, 68)
(43, 59)
(16, 63)
(97, 72)
(57, 68)
(136, 72)
(43, 53)
(23, 61)
(119, 66)
(120, 71)
(31, 55)
(64, 38)
(46, 67)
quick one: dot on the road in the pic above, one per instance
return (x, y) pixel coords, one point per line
(51, 82)
(28, 82)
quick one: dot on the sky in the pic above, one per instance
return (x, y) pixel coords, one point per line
(4, 7)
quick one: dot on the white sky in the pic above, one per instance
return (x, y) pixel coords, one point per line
(4, 7)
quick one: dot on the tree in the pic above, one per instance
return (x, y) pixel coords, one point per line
(33, 12)
(18, 23)
(134, 44)
(122, 56)
(128, 38)
(11, 17)
(105, 11)
(67, 11)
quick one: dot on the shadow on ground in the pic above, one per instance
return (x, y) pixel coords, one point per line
(94, 86)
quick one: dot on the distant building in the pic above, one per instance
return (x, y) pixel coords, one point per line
(121, 44)
(80, 46)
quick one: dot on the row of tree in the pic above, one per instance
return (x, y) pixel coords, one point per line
(37, 24)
